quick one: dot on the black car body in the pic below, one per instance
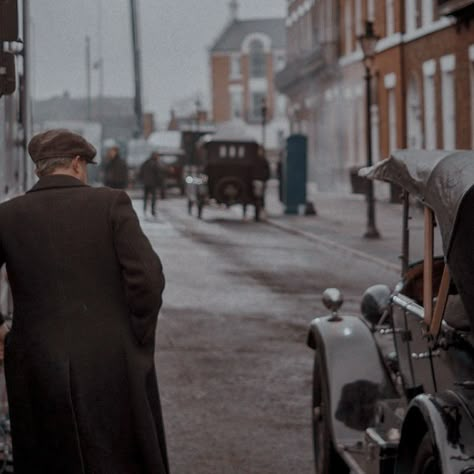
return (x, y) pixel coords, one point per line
(231, 171)
(393, 388)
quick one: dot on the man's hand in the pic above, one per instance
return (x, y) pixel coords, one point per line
(3, 333)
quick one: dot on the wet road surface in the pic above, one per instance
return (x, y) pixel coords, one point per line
(233, 367)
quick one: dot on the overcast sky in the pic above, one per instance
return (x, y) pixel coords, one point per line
(175, 35)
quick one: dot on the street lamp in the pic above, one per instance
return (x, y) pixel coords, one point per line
(368, 41)
(197, 103)
(263, 112)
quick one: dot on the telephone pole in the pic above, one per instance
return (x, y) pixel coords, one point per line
(88, 76)
(138, 107)
(25, 95)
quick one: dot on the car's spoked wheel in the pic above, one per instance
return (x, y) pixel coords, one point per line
(426, 460)
(326, 459)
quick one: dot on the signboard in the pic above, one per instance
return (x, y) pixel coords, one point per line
(7, 73)
(8, 20)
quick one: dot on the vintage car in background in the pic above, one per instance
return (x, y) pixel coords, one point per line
(189, 139)
(232, 169)
(173, 171)
(393, 388)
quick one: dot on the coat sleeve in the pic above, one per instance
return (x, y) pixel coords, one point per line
(141, 267)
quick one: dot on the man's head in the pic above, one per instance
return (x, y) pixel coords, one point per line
(113, 152)
(61, 151)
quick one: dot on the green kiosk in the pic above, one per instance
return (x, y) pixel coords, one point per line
(294, 175)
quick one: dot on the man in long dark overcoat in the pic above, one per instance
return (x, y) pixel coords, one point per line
(87, 288)
(151, 174)
(115, 169)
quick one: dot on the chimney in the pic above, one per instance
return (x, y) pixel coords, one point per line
(234, 10)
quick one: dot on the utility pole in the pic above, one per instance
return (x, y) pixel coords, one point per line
(88, 76)
(137, 69)
(100, 65)
(25, 94)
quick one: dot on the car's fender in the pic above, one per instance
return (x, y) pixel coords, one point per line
(448, 417)
(354, 372)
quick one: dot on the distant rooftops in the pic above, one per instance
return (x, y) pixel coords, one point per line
(232, 37)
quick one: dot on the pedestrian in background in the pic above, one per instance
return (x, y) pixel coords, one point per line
(151, 175)
(261, 172)
(115, 169)
(87, 288)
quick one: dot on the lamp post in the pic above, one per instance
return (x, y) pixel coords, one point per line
(198, 113)
(368, 41)
(263, 112)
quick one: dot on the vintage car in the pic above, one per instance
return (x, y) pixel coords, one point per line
(232, 170)
(393, 388)
(173, 166)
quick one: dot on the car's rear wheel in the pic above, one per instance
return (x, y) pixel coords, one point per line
(426, 459)
(326, 458)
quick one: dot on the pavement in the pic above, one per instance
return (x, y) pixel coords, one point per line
(341, 222)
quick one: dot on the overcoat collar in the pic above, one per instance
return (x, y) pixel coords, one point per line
(56, 181)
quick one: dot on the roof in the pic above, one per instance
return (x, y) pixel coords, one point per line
(439, 178)
(234, 34)
(166, 142)
(232, 131)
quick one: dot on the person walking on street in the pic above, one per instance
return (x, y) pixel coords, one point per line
(151, 175)
(115, 169)
(87, 288)
(261, 173)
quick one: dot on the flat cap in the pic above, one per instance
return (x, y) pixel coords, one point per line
(60, 143)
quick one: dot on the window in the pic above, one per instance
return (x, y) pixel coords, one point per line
(222, 151)
(351, 131)
(358, 17)
(370, 10)
(389, 17)
(257, 59)
(361, 127)
(427, 12)
(392, 120)
(256, 105)
(279, 62)
(348, 26)
(241, 151)
(410, 16)
(232, 152)
(236, 104)
(390, 82)
(235, 71)
(448, 101)
(429, 69)
(281, 105)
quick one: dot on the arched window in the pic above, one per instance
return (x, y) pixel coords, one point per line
(257, 59)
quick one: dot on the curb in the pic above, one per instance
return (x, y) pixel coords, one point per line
(335, 246)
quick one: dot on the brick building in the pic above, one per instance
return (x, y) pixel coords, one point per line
(243, 62)
(423, 80)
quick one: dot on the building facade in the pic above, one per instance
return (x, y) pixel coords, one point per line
(243, 63)
(422, 78)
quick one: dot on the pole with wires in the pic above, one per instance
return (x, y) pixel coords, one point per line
(138, 107)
